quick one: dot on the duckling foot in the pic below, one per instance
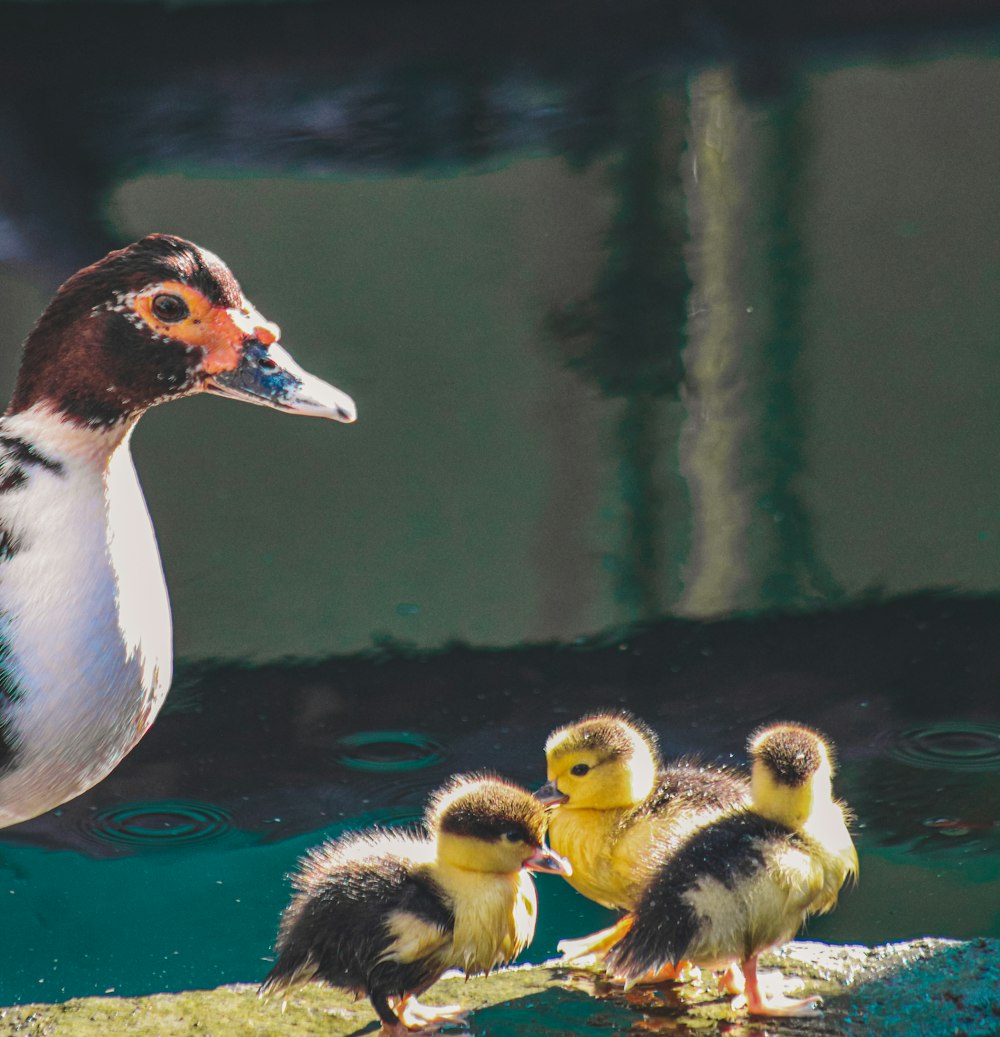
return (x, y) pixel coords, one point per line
(778, 1005)
(428, 1018)
(682, 972)
(773, 1004)
(731, 981)
(597, 944)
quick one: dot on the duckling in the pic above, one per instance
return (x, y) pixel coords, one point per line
(746, 882)
(85, 638)
(385, 913)
(613, 800)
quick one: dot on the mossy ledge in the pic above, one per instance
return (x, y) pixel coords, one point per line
(928, 987)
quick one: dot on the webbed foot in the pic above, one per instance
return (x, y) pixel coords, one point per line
(419, 1018)
(597, 944)
(771, 1003)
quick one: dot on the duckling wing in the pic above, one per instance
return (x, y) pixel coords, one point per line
(690, 784)
(420, 924)
(700, 902)
(688, 794)
(364, 917)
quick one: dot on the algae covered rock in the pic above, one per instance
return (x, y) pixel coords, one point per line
(924, 988)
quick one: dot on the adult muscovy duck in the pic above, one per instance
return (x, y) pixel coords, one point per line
(85, 629)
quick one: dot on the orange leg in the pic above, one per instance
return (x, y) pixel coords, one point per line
(601, 942)
(415, 1018)
(682, 972)
(776, 1005)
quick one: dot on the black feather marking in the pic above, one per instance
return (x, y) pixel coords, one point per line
(688, 793)
(17, 458)
(10, 743)
(337, 921)
(20, 455)
(729, 851)
(486, 829)
(9, 545)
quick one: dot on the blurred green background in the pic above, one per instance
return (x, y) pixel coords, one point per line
(836, 432)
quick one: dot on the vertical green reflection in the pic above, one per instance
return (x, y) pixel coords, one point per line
(742, 444)
(628, 336)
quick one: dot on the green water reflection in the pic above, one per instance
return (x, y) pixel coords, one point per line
(836, 431)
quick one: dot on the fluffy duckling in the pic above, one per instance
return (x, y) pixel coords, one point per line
(746, 882)
(614, 800)
(385, 913)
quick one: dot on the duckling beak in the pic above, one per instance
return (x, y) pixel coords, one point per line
(546, 860)
(550, 795)
(267, 375)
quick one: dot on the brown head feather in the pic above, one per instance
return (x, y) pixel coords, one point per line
(91, 358)
(791, 752)
(611, 735)
(485, 806)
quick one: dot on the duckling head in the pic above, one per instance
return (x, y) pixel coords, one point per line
(483, 823)
(600, 762)
(792, 772)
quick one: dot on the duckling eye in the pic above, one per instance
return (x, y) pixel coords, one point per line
(580, 769)
(513, 836)
(170, 308)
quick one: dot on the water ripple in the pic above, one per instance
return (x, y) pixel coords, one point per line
(159, 825)
(388, 751)
(949, 746)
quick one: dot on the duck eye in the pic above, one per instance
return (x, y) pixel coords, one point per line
(513, 836)
(170, 308)
(265, 363)
(580, 769)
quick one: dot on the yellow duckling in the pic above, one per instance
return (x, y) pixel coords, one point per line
(747, 881)
(384, 913)
(614, 801)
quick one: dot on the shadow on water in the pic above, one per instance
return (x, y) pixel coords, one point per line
(552, 1011)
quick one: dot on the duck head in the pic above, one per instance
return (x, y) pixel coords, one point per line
(160, 319)
(483, 823)
(791, 772)
(603, 761)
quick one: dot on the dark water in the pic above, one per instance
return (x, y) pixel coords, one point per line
(674, 345)
(191, 838)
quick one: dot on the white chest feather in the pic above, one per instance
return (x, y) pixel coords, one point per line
(84, 620)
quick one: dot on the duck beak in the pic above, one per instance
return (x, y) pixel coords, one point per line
(550, 795)
(267, 375)
(546, 860)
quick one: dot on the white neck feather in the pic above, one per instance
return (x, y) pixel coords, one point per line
(83, 612)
